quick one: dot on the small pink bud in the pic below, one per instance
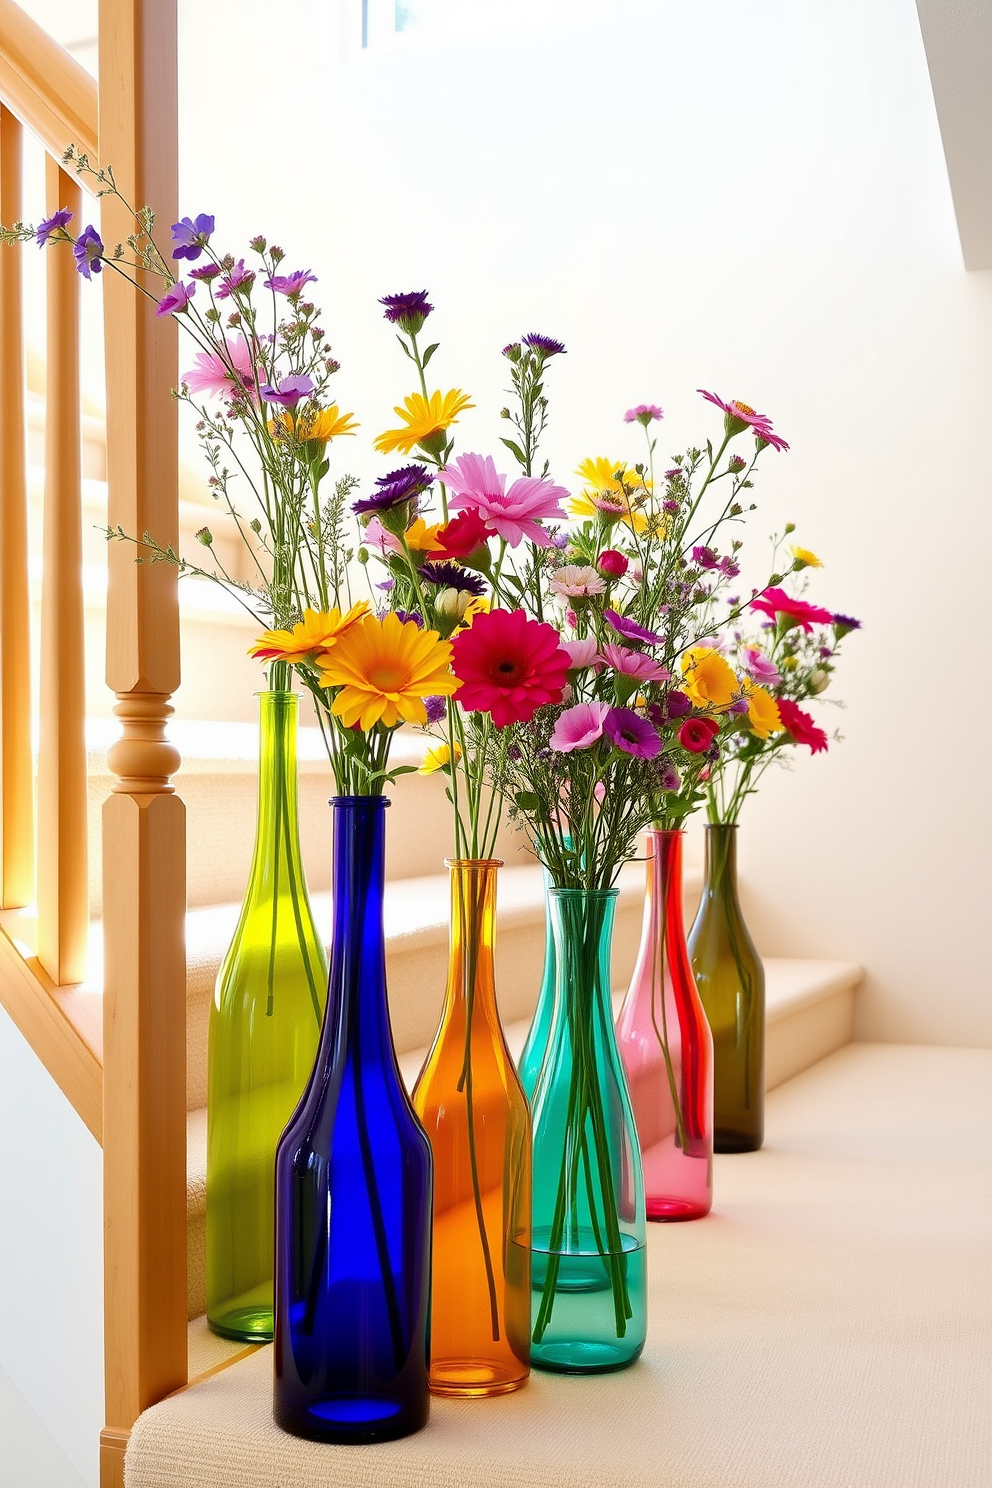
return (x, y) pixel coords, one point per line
(612, 563)
(572, 619)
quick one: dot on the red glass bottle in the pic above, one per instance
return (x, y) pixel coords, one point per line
(667, 1048)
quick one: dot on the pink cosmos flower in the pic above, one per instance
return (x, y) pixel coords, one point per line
(382, 542)
(177, 299)
(583, 654)
(237, 277)
(740, 416)
(760, 667)
(635, 664)
(576, 582)
(514, 514)
(644, 414)
(579, 727)
(775, 602)
(212, 372)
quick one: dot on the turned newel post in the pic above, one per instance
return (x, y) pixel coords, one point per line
(144, 1120)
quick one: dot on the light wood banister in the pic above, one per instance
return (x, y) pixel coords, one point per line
(63, 901)
(16, 768)
(144, 1119)
(44, 86)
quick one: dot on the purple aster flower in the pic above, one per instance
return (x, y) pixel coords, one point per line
(405, 484)
(408, 311)
(633, 734)
(205, 271)
(61, 218)
(237, 277)
(674, 474)
(674, 704)
(644, 413)
(451, 576)
(668, 776)
(435, 708)
(290, 284)
(560, 541)
(177, 299)
(386, 586)
(705, 557)
(729, 568)
(189, 237)
(844, 624)
(631, 631)
(404, 615)
(510, 348)
(88, 251)
(289, 392)
(546, 345)
(669, 505)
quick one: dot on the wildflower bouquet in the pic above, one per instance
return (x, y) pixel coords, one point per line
(789, 662)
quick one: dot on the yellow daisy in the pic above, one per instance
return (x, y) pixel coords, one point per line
(423, 417)
(385, 668)
(423, 539)
(321, 427)
(709, 680)
(762, 711)
(439, 758)
(319, 630)
(803, 558)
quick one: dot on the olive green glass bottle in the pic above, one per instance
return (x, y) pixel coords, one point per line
(730, 980)
(264, 1029)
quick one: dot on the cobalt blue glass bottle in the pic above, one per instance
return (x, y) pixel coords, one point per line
(353, 1190)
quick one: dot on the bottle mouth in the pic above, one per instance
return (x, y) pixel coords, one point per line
(353, 801)
(477, 864)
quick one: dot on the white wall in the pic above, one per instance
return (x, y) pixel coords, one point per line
(51, 1255)
(750, 198)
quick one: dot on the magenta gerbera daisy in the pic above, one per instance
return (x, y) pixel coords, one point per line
(509, 666)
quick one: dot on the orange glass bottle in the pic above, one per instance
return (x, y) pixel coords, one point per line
(474, 1110)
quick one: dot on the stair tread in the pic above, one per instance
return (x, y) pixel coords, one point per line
(791, 983)
(819, 1291)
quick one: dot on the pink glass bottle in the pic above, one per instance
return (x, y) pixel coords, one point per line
(667, 1048)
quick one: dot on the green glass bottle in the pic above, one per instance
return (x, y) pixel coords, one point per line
(730, 980)
(264, 1030)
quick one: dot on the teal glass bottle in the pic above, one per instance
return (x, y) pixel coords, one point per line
(529, 1066)
(263, 1035)
(589, 1309)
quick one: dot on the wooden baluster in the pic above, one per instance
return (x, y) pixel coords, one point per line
(63, 906)
(16, 771)
(144, 821)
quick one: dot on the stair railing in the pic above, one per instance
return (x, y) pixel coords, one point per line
(137, 1105)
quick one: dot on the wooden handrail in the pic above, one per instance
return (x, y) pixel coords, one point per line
(16, 769)
(44, 86)
(63, 901)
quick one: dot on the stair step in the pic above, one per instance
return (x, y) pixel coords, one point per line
(809, 1014)
(820, 1291)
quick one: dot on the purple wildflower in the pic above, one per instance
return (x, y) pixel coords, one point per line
(408, 311)
(88, 251)
(705, 557)
(644, 413)
(632, 733)
(560, 540)
(404, 615)
(736, 463)
(451, 576)
(395, 488)
(387, 586)
(290, 284)
(435, 708)
(674, 474)
(177, 299)
(670, 505)
(546, 345)
(289, 392)
(237, 277)
(190, 238)
(668, 776)
(729, 568)
(631, 631)
(844, 624)
(768, 436)
(674, 704)
(61, 218)
(205, 271)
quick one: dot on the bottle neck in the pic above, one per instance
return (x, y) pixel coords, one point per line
(663, 892)
(277, 828)
(473, 931)
(582, 926)
(357, 1011)
(720, 870)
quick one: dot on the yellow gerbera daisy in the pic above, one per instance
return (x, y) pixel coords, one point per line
(423, 417)
(803, 558)
(318, 631)
(385, 668)
(439, 758)
(709, 680)
(762, 711)
(322, 426)
(423, 539)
